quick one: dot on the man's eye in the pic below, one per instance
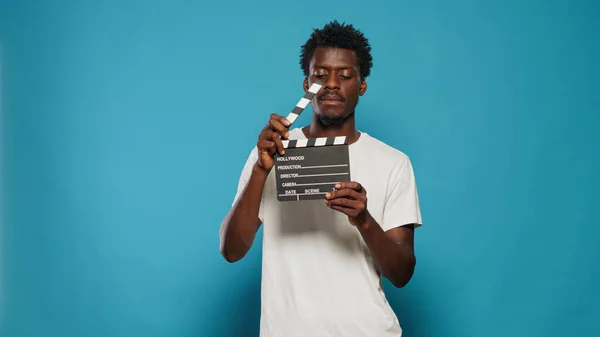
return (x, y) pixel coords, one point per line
(319, 76)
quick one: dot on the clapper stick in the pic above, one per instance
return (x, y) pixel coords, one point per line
(312, 166)
(304, 101)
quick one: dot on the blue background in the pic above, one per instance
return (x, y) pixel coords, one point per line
(125, 125)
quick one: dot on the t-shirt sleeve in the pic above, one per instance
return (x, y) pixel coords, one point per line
(245, 177)
(402, 202)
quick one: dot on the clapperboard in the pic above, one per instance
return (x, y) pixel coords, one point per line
(310, 167)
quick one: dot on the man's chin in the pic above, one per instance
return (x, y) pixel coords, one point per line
(333, 119)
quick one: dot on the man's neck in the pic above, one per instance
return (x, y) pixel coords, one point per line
(316, 129)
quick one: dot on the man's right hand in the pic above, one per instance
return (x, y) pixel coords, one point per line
(269, 141)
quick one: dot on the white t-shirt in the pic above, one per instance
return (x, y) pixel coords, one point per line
(318, 278)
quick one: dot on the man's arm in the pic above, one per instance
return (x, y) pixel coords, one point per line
(392, 251)
(391, 243)
(239, 227)
(241, 224)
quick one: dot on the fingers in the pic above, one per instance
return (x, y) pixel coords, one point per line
(353, 185)
(278, 143)
(349, 198)
(267, 146)
(345, 193)
(279, 125)
(345, 202)
(269, 139)
(272, 145)
(352, 208)
(345, 210)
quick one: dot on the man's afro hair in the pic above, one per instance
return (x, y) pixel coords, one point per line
(338, 35)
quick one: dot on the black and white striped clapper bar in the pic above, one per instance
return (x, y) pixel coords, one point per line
(311, 167)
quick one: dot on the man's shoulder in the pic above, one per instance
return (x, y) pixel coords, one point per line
(382, 150)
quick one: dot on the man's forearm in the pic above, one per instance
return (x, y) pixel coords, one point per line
(394, 261)
(242, 222)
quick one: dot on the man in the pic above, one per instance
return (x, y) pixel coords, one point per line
(323, 260)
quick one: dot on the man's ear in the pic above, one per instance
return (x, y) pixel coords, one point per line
(363, 87)
(305, 84)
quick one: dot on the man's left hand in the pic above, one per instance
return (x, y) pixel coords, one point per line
(350, 198)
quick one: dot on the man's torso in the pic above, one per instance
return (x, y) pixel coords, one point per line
(317, 274)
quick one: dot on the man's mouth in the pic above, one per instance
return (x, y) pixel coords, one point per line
(331, 98)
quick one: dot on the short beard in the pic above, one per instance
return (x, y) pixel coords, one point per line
(327, 121)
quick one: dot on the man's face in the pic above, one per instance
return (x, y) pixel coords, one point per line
(338, 70)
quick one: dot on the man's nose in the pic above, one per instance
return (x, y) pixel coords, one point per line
(333, 82)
